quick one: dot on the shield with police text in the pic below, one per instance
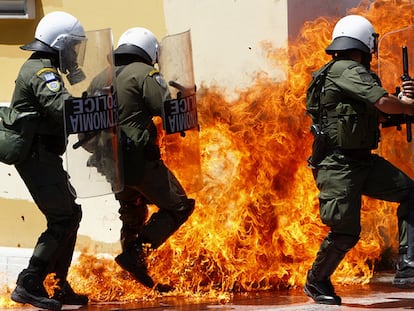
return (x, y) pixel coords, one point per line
(93, 152)
(180, 120)
(395, 64)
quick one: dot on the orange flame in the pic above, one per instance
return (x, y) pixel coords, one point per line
(256, 225)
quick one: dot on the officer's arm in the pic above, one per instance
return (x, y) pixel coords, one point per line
(155, 92)
(51, 93)
(390, 104)
(361, 85)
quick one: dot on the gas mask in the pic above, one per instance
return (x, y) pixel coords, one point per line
(71, 59)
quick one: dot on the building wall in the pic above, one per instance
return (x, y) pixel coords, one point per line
(227, 38)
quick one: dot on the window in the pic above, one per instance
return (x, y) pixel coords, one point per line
(17, 9)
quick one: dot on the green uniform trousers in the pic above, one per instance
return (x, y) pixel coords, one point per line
(158, 186)
(47, 182)
(342, 181)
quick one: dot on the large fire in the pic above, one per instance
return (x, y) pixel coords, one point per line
(256, 224)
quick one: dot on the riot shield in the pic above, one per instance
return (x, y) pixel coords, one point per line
(93, 153)
(393, 67)
(180, 121)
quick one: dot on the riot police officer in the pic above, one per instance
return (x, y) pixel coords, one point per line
(141, 92)
(39, 88)
(348, 113)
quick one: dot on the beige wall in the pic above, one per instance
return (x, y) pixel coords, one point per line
(227, 37)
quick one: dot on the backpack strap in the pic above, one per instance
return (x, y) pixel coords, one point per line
(314, 91)
(321, 87)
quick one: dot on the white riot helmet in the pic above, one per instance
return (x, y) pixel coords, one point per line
(353, 32)
(139, 41)
(63, 34)
(51, 31)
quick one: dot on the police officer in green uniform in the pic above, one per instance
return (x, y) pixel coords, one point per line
(346, 116)
(39, 88)
(141, 91)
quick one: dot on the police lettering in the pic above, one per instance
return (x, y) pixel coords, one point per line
(182, 105)
(181, 114)
(91, 113)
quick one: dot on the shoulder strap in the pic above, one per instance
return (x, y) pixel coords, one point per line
(321, 77)
(321, 86)
(314, 91)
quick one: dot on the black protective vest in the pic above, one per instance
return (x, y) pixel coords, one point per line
(349, 123)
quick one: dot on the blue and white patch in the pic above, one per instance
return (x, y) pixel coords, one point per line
(54, 86)
(51, 82)
(49, 76)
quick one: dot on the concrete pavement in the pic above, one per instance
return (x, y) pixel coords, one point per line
(379, 295)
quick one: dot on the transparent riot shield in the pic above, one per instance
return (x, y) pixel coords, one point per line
(93, 153)
(396, 63)
(180, 121)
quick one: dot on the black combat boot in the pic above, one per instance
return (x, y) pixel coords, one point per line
(318, 284)
(65, 294)
(404, 278)
(133, 260)
(30, 289)
(321, 291)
